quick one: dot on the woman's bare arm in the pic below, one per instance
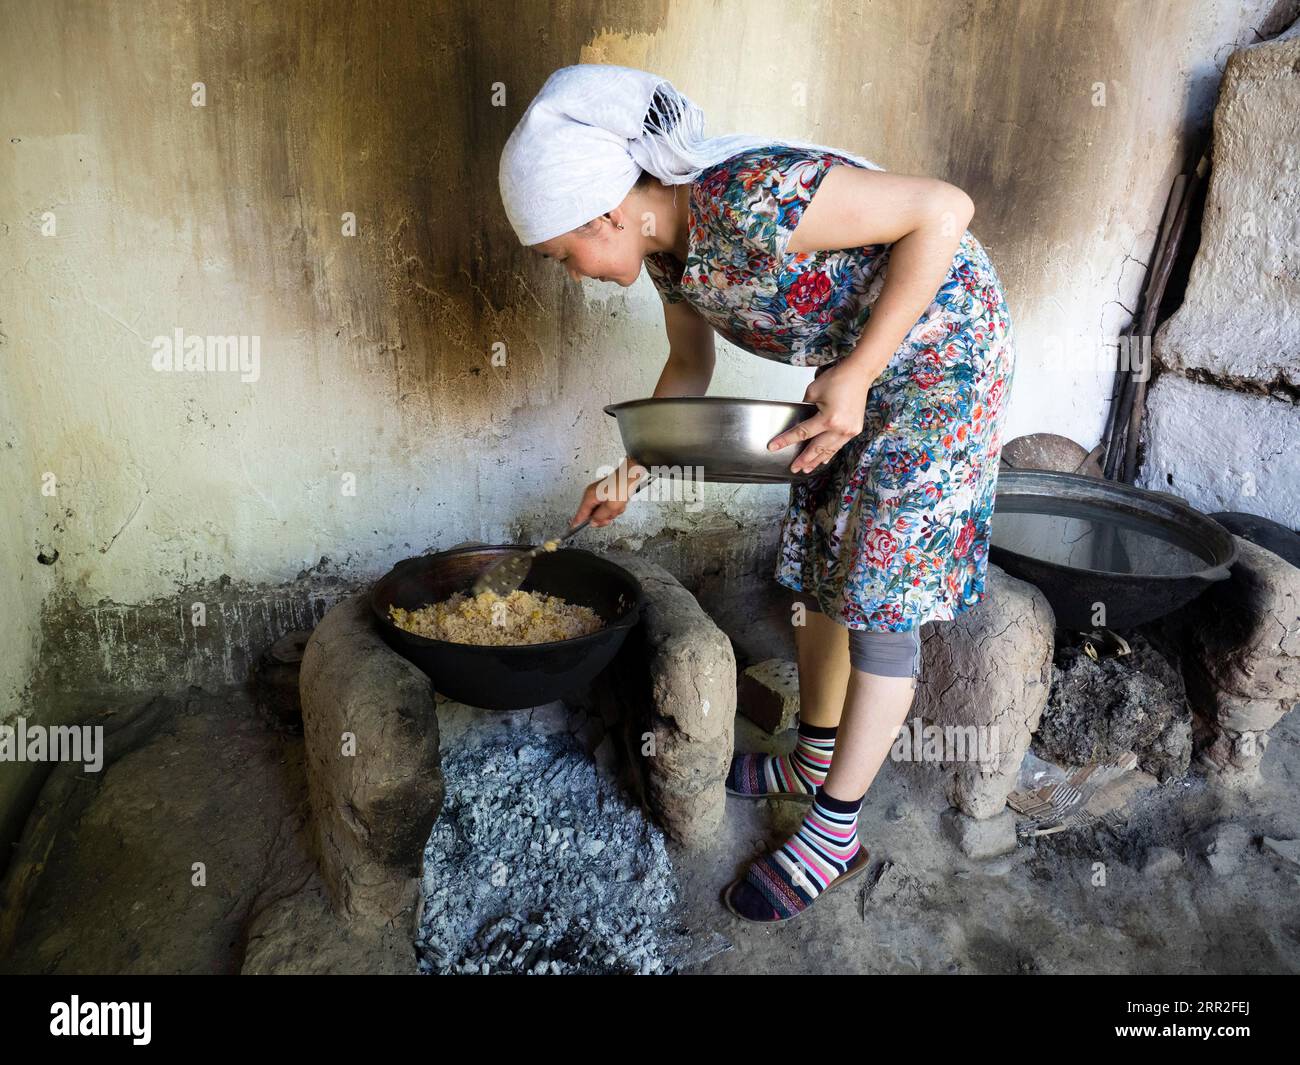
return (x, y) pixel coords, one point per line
(691, 356)
(923, 218)
(687, 372)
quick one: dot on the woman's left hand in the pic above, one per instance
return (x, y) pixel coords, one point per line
(840, 393)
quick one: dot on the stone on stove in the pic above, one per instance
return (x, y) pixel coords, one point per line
(1223, 845)
(606, 755)
(1241, 657)
(769, 694)
(274, 680)
(374, 781)
(590, 734)
(989, 671)
(1284, 848)
(675, 681)
(1161, 861)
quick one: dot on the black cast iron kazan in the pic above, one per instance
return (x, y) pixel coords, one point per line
(517, 676)
(1131, 599)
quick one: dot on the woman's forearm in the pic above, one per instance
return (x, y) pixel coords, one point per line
(684, 377)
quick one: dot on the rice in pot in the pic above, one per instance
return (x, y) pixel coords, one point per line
(489, 619)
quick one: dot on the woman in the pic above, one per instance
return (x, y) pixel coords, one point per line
(811, 257)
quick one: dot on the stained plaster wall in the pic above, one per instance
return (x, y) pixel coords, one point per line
(375, 371)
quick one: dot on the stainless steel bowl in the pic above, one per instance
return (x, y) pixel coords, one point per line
(714, 438)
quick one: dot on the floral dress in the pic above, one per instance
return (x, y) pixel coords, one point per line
(894, 530)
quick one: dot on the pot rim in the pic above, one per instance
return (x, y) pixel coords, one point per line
(613, 409)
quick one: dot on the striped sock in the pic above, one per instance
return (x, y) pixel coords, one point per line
(798, 773)
(785, 882)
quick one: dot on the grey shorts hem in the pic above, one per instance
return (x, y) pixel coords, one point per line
(886, 654)
(881, 653)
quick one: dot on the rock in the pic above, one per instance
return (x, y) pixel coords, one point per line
(988, 837)
(1098, 710)
(590, 734)
(984, 682)
(274, 680)
(290, 647)
(1223, 846)
(371, 737)
(606, 756)
(1284, 848)
(1241, 656)
(769, 694)
(1161, 861)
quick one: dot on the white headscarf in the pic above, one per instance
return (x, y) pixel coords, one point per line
(584, 140)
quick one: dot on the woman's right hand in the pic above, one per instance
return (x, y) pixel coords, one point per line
(605, 499)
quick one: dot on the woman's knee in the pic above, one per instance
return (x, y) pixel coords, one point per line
(886, 654)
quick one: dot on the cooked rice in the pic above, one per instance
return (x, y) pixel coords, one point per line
(490, 619)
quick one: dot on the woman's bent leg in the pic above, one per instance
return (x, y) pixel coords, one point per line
(823, 653)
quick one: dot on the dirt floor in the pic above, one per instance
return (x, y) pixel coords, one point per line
(1075, 902)
(187, 855)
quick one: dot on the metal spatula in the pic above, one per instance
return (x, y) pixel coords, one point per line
(507, 575)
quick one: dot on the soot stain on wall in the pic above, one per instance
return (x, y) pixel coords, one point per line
(387, 111)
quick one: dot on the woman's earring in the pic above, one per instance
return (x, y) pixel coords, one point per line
(619, 224)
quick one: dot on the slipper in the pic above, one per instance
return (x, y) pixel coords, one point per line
(859, 864)
(792, 796)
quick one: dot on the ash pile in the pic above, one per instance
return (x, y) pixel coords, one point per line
(1100, 708)
(539, 864)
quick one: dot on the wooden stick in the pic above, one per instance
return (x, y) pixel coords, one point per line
(1116, 436)
(1152, 308)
